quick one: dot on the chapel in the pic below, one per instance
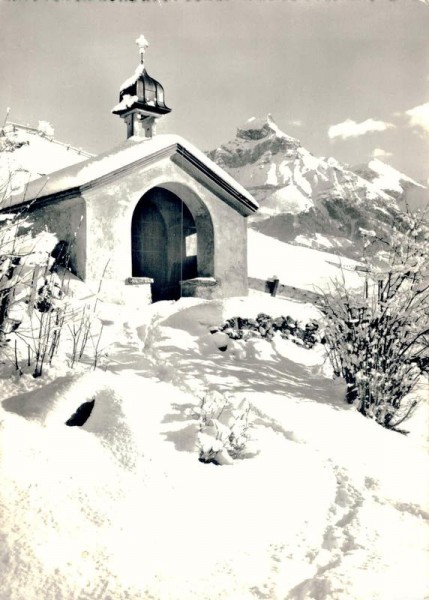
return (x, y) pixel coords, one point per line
(153, 218)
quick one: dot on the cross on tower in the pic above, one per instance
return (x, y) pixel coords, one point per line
(141, 99)
(142, 43)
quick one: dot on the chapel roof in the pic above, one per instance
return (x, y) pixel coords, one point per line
(133, 153)
(27, 153)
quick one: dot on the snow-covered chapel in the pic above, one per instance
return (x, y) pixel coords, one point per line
(153, 218)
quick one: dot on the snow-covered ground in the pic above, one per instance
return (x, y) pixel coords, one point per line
(304, 268)
(324, 505)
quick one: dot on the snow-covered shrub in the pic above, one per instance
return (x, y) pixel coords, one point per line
(377, 337)
(33, 301)
(265, 326)
(223, 428)
(33, 296)
(25, 263)
(34, 306)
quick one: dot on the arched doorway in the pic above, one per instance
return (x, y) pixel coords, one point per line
(164, 243)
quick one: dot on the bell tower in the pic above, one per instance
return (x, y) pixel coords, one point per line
(141, 99)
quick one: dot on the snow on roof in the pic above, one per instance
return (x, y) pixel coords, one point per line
(131, 80)
(127, 153)
(44, 131)
(126, 102)
(30, 153)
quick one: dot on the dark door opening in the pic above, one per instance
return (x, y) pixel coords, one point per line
(164, 245)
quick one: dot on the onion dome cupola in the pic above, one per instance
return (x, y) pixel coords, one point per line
(141, 99)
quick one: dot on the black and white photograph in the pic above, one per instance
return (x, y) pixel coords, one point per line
(214, 300)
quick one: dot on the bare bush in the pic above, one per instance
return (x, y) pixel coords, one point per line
(377, 337)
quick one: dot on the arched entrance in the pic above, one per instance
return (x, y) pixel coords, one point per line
(164, 243)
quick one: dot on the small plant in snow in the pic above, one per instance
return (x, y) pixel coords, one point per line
(223, 428)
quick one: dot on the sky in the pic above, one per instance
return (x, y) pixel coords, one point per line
(349, 78)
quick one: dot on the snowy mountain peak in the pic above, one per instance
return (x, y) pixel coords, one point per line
(259, 128)
(381, 168)
(306, 199)
(387, 178)
(257, 139)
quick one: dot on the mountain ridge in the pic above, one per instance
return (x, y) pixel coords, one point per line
(308, 200)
